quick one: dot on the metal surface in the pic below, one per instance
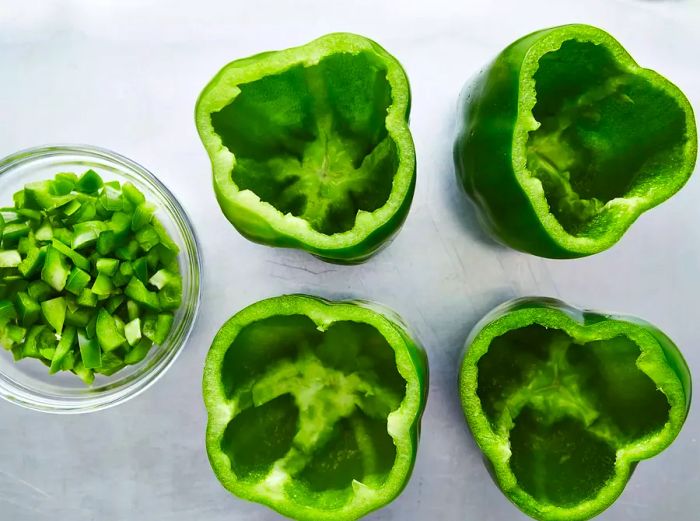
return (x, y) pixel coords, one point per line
(125, 75)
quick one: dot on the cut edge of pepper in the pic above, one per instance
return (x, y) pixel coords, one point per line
(626, 209)
(402, 424)
(552, 313)
(223, 89)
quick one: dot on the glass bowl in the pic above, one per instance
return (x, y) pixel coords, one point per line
(27, 382)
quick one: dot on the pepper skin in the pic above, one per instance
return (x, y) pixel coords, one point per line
(564, 403)
(314, 406)
(564, 141)
(310, 146)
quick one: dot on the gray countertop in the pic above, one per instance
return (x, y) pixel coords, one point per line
(125, 75)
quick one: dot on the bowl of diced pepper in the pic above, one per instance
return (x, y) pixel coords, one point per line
(99, 278)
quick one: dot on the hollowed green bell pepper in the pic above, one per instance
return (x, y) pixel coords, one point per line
(564, 141)
(310, 146)
(564, 403)
(314, 406)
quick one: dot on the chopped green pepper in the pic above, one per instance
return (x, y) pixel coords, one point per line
(314, 406)
(108, 334)
(564, 403)
(310, 146)
(10, 259)
(565, 141)
(54, 311)
(28, 309)
(60, 267)
(90, 352)
(55, 271)
(62, 349)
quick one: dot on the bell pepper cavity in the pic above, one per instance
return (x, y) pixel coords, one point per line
(314, 406)
(310, 146)
(565, 140)
(564, 403)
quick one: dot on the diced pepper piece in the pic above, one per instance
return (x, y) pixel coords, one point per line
(33, 262)
(62, 349)
(140, 267)
(68, 361)
(114, 302)
(107, 266)
(110, 364)
(39, 290)
(106, 242)
(137, 291)
(71, 303)
(90, 351)
(7, 311)
(87, 212)
(133, 194)
(128, 252)
(54, 311)
(79, 317)
(162, 278)
(26, 244)
(142, 216)
(132, 331)
(77, 259)
(132, 309)
(139, 352)
(164, 324)
(31, 347)
(89, 183)
(86, 233)
(44, 232)
(77, 281)
(55, 272)
(103, 285)
(28, 309)
(87, 298)
(47, 353)
(71, 208)
(111, 198)
(63, 235)
(164, 236)
(38, 196)
(10, 258)
(11, 335)
(120, 224)
(64, 183)
(14, 231)
(170, 297)
(85, 374)
(108, 334)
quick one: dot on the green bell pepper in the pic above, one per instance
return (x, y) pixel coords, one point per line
(564, 403)
(564, 141)
(314, 406)
(310, 146)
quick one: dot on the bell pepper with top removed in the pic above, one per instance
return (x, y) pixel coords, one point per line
(564, 141)
(564, 403)
(310, 146)
(314, 406)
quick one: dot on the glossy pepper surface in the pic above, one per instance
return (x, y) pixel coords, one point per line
(564, 403)
(310, 146)
(314, 406)
(565, 140)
